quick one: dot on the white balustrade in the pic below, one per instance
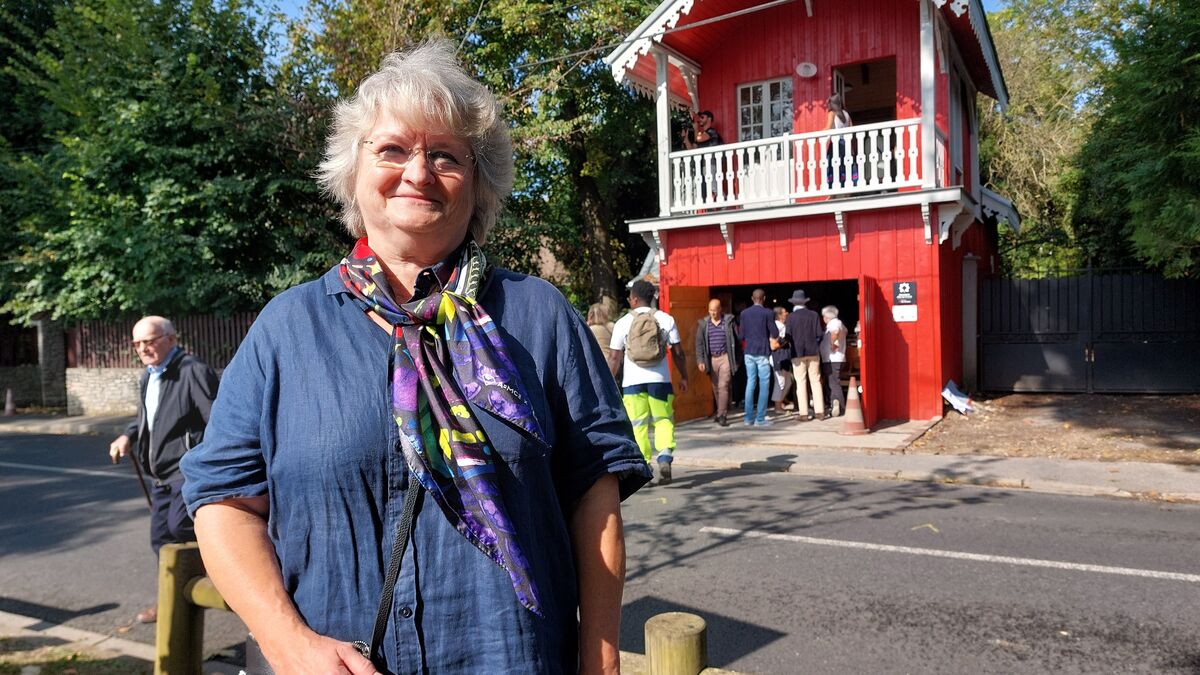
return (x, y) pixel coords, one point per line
(835, 162)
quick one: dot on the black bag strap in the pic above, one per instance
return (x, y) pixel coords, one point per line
(403, 532)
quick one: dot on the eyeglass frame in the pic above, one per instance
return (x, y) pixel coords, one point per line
(459, 169)
(149, 341)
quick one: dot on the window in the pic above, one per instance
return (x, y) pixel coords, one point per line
(765, 109)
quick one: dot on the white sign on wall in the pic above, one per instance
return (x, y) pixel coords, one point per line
(904, 313)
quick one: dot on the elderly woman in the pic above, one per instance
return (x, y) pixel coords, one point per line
(416, 431)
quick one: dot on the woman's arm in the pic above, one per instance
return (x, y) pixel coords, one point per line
(240, 559)
(829, 120)
(598, 539)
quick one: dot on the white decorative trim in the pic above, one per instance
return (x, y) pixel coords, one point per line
(839, 217)
(662, 250)
(691, 77)
(994, 205)
(953, 195)
(664, 17)
(947, 214)
(808, 7)
(928, 225)
(727, 235)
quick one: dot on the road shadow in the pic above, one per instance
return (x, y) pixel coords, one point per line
(50, 616)
(729, 639)
(720, 496)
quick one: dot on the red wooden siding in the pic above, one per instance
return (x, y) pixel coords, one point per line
(979, 241)
(888, 246)
(769, 44)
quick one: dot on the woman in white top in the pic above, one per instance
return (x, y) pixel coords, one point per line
(838, 118)
(833, 355)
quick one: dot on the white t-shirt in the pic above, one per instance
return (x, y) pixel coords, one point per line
(831, 329)
(633, 373)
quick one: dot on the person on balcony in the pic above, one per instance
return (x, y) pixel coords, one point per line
(838, 118)
(702, 134)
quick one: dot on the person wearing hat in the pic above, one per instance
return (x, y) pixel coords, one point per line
(804, 329)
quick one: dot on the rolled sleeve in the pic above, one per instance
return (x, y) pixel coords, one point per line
(229, 463)
(594, 435)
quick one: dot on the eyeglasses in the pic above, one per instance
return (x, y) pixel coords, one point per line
(147, 342)
(443, 162)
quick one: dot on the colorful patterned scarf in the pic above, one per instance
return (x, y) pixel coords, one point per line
(447, 352)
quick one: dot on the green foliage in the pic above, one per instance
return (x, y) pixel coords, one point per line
(1140, 169)
(168, 167)
(583, 145)
(1051, 52)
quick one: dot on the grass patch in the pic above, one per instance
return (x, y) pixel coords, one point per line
(54, 657)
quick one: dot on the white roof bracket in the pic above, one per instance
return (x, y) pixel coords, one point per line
(727, 235)
(928, 225)
(839, 217)
(658, 242)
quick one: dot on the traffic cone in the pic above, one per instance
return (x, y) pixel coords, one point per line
(853, 425)
(10, 406)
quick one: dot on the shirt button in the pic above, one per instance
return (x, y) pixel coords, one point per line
(406, 612)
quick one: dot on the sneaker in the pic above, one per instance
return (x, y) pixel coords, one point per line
(763, 423)
(664, 473)
(748, 423)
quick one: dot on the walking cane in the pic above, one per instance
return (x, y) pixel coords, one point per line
(141, 480)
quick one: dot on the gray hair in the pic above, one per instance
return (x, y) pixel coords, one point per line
(829, 312)
(162, 323)
(423, 86)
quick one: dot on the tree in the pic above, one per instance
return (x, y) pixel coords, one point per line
(171, 172)
(583, 144)
(1051, 52)
(1140, 169)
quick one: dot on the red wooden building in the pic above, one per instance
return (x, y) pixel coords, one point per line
(885, 219)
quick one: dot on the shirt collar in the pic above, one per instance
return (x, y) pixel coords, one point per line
(158, 370)
(434, 277)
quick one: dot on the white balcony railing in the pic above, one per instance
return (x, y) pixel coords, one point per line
(828, 163)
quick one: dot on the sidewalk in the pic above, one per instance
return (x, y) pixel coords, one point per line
(816, 449)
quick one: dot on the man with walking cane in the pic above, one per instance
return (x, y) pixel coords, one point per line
(176, 394)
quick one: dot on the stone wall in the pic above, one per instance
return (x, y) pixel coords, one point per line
(102, 391)
(26, 383)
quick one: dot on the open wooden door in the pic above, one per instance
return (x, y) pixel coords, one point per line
(874, 309)
(689, 304)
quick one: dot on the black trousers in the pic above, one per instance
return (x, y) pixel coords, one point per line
(169, 520)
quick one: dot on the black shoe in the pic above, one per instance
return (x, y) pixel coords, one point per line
(722, 421)
(826, 416)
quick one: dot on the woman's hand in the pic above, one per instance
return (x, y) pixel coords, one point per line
(312, 654)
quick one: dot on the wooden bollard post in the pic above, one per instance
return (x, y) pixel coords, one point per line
(676, 644)
(179, 636)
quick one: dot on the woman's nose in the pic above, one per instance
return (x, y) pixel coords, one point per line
(418, 171)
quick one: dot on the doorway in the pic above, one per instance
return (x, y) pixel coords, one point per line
(868, 90)
(842, 294)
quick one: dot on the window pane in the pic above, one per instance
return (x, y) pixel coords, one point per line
(746, 120)
(744, 95)
(757, 115)
(756, 93)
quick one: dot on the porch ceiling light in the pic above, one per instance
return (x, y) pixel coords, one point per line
(806, 69)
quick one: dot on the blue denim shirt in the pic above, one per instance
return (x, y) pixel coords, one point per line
(304, 417)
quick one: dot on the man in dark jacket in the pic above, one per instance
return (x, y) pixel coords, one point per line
(716, 347)
(175, 396)
(805, 331)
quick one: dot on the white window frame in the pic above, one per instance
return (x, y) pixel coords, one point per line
(785, 122)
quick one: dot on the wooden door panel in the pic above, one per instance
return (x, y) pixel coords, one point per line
(689, 304)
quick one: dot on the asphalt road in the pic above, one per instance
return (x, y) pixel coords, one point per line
(793, 574)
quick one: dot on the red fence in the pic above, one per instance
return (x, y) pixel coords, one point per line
(214, 339)
(18, 345)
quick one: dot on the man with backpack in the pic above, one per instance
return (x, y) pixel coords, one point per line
(640, 342)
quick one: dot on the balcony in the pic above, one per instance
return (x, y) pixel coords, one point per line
(871, 158)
